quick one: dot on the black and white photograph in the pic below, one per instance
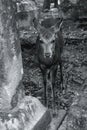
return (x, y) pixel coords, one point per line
(43, 64)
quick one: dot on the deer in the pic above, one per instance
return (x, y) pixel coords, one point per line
(49, 46)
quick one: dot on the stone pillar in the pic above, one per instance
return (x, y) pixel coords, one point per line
(11, 69)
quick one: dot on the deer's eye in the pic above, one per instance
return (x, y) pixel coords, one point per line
(41, 41)
(53, 41)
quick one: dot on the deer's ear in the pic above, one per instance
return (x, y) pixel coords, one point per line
(57, 26)
(40, 29)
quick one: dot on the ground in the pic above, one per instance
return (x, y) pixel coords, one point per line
(74, 68)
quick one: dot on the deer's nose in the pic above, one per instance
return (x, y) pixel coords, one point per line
(47, 54)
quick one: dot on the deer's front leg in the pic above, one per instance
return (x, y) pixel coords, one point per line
(45, 89)
(44, 74)
(53, 78)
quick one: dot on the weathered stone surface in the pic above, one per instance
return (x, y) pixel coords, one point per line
(11, 69)
(29, 114)
(57, 120)
(77, 117)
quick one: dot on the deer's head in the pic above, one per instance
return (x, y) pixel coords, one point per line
(47, 37)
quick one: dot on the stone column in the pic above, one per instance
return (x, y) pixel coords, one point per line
(11, 69)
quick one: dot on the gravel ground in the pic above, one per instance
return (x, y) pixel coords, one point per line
(74, 70)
